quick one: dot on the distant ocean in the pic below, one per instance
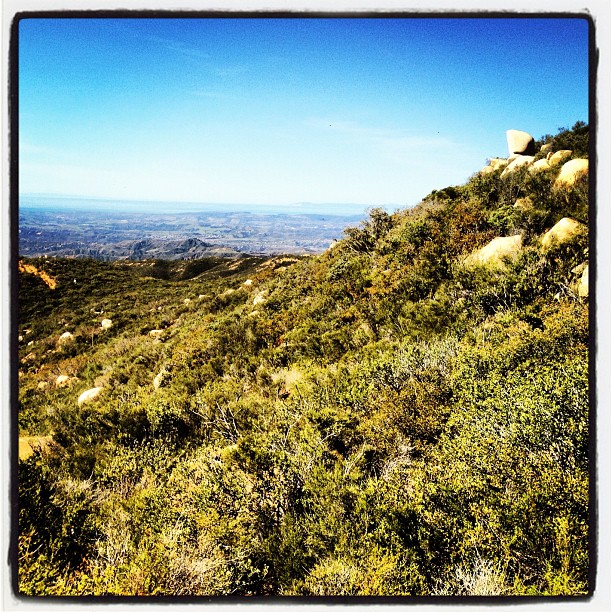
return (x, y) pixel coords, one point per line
(52, 202)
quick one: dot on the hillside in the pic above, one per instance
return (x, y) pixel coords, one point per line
(404, 414)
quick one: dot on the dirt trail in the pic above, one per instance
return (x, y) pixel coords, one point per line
(31, 269)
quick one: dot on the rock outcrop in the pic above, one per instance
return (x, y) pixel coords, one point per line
(496, 251)
(260, 298)
(517, 162)
(62, 380)
(561, 232)
(497, 162)
(571, 171)
(158, 381)
(554, 159)
(521, 143)
(538, 166)
(31, 269)
(29, 444)
(106, 324)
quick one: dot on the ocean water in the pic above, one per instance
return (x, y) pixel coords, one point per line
(52, 202)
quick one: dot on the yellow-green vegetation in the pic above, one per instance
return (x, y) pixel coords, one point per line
(382, 419)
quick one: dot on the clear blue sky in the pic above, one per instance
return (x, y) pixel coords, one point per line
(276, 111)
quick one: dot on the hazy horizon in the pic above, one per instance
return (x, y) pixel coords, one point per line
(76, 202)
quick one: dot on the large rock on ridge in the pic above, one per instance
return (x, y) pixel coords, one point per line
(521, 143)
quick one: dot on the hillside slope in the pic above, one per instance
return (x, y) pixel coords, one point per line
(405, 414)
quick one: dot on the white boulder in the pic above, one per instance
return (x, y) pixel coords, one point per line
(495, 163)
(62, 380)
(538, 166)
(554, 159)
(260, 298)
(90, 395)
(583, 283)
(106, 324)
(159, 379)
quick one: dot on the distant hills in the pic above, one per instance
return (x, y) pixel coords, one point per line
(191, 248)
(150, 248)
(109, 235)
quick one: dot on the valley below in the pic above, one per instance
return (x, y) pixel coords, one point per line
(114, 235)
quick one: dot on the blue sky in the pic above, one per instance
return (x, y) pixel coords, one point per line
(277, 111)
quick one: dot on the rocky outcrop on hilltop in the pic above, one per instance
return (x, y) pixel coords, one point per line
(564, 171)
(522, 152)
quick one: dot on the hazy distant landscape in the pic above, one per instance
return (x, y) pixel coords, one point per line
(101, 233)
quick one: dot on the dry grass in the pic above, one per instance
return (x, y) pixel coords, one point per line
(483, 579)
